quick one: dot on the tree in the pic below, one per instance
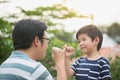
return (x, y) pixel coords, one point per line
(115, 69)
(3, 1)
(5, 39)
(114, 32)
(50, 14)
(63, 35)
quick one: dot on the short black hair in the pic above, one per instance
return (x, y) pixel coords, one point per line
(25, 31)
(92, 31)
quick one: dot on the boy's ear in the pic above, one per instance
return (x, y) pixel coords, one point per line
(96, 40)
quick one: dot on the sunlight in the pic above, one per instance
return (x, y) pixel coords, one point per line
(104, 11)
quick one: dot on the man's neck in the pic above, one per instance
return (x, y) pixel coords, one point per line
(29, 52)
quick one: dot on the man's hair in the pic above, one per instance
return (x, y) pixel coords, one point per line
(25, 31)
(92, 31)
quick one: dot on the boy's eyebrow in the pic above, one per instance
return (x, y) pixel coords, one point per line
(81, 38)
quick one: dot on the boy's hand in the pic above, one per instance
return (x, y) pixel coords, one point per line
(69, 50)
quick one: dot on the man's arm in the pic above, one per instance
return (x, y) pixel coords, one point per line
(61, 72)
(59, 58)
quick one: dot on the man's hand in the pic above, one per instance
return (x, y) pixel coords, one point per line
(58, 55)
(59, 58)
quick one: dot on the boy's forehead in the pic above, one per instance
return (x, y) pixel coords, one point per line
(82, 35)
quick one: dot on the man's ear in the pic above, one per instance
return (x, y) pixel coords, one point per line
(36, 41)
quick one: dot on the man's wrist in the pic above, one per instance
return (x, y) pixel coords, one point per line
(60, 63)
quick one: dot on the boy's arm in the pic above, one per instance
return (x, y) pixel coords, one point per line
(69, 50)
(106, 75)
(69, 70)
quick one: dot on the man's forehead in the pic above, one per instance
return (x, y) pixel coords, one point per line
(45, 33)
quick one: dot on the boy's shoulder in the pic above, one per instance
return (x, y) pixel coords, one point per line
(103, 61)
(81, 59)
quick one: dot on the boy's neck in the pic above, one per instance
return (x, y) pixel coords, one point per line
(94, 55)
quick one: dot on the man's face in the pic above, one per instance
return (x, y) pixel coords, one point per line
(44, 46)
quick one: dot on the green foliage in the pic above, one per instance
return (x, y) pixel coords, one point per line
(114, 32)
(5, 39)
(115, 69)
(56, 11)
(60, 37)
(50, 14)
(48, 61)
(63, 35)
(4, 1)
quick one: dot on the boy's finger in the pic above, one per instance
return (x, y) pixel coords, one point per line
(65, 45)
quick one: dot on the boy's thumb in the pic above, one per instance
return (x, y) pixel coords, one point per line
(65, 45)
(65, 48)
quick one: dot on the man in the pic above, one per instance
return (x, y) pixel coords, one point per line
(30, 43)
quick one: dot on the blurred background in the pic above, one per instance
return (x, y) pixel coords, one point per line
(64, 18)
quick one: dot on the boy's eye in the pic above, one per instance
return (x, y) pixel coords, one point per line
(78, 41)
(84, 39)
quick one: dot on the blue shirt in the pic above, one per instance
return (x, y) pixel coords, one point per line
(91, 69)
(19, 66)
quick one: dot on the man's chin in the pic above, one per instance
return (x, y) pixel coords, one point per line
(42, 58)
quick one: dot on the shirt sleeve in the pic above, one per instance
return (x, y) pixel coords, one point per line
(76, 64)
(41, 73)
(105, 73)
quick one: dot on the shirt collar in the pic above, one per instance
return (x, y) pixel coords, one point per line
(19, 54)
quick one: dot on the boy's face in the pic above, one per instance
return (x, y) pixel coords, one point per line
(86, 44)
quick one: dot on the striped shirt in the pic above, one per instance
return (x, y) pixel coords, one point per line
(19, 66)
(92, 69)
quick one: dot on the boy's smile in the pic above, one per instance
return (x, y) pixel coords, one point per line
(85, 43)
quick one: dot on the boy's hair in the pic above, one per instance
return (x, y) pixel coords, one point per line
(25, 31)
(92, 31)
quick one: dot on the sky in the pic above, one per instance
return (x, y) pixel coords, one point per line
(105, 12)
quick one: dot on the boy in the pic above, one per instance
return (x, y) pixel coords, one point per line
(93, 66)
(30, 44)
